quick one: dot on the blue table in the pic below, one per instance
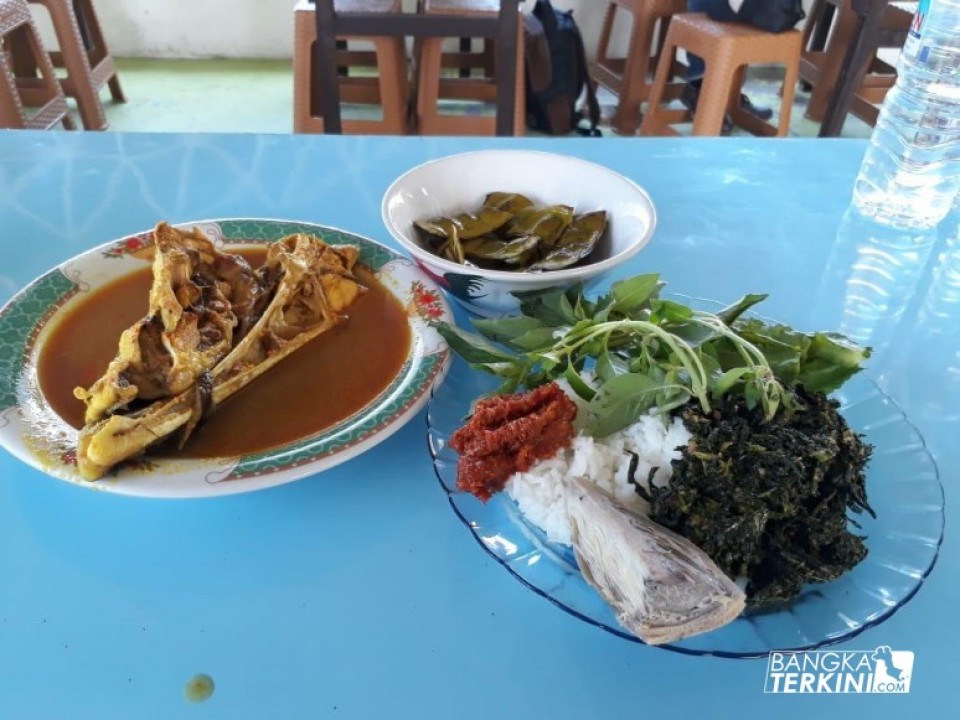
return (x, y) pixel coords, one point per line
(358, 593)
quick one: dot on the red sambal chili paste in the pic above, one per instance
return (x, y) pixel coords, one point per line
(508, 434)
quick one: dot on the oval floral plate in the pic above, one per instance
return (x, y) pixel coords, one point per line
(34, 433)
(903, 487)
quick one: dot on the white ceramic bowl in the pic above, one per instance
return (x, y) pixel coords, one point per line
(458, 183)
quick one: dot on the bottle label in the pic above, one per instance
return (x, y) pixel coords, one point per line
(913, 47)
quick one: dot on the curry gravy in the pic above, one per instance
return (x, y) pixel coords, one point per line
(327, 380)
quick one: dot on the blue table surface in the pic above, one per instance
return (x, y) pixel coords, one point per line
(357, 593)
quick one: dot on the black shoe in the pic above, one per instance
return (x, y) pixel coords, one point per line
(762, 113)
(689, 97)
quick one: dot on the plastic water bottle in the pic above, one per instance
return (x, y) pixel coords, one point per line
(911, 171)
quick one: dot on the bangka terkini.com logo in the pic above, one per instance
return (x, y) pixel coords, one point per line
(840, 671)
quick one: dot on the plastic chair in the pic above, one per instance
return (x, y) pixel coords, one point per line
(30, 89)
(727, 49)
(432, 85)
(85, 57)
(389, 88)
(630, 78)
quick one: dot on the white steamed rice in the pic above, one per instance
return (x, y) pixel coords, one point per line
(602, 461)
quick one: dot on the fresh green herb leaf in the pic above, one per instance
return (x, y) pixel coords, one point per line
(578, 384)
(725, 382)
(583, 309)
(505, 329)
(751, 393)
(732, 312)
(609, 365)
(634, 293)
(620, 401)
(551, 306)
(832, 360)
(647, 352)
(823, 376)
(537, 339)
(663, 311)
(472, 347)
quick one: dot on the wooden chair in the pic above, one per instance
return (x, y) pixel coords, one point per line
(630, 78)
(43, 91)
(84, 55)
(388, 88)
(433, 86)
(503, 27)
(727, 49)
(822, 58)
(871, 30)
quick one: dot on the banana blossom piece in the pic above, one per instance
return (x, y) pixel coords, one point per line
(662, 587)
(197, 301)
(306, 285)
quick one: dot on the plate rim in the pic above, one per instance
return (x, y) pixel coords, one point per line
(421, 354)
(671, 647)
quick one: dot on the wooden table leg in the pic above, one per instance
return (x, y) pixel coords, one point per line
(506, 62)
(325, 56)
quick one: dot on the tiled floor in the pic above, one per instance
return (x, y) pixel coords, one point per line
(257, 96)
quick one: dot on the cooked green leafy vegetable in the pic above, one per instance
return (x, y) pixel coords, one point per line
(509, 233)
(575, 243)
(467, 225)
(768, 500)
(647, 352)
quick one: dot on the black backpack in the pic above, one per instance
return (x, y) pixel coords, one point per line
(557, 73)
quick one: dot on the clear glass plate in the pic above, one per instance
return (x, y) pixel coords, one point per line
(903, 487)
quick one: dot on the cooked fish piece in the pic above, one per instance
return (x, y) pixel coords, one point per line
(308, 284)
(662, 587)
(201, 302)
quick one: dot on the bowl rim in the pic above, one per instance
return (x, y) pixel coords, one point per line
(525, 277)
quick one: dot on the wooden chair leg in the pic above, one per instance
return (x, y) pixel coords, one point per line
(11, 109)
(116, 92)
(23, 62)
(520, 78)
(713, 102)
(842, 37)
(786, 100)
(635, 78)
(304, 109)
(392, 83)
(428, 82)
(97, 48)
(465, 47)
(662, 30)
(827, 13)
(78, 82)
(603, 46)
(657, 119)
(39, 88)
